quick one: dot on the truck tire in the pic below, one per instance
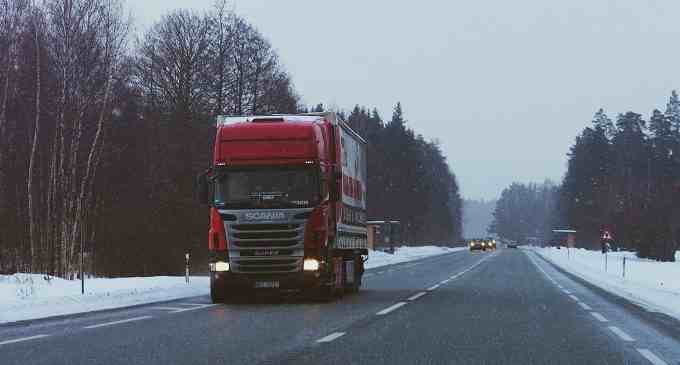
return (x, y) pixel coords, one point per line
(324, 293)
(217, 293)
(358, 275)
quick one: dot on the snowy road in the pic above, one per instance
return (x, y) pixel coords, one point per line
(506, 307)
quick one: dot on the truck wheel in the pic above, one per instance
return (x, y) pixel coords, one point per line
(217, 292)
(358, 275)
(324, 293)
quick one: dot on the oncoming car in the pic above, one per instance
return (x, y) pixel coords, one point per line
(482, 244)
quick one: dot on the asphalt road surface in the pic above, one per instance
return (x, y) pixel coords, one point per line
(502, 307)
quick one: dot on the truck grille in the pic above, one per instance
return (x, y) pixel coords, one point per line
(266, 248)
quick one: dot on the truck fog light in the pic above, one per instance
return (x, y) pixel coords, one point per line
(310, 265)
(219, 266)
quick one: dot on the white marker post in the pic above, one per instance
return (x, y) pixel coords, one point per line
(186, 257)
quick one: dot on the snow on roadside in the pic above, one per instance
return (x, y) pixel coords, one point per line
(651, 284)
(406, 253)
(30, 296)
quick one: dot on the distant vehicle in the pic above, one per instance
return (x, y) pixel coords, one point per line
(482, 244)
(511, 244)
(287, 198)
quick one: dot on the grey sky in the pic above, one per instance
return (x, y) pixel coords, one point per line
(505, 86)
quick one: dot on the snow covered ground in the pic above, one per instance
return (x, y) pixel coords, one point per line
(651, 284)
(403, 254)
(30, 296)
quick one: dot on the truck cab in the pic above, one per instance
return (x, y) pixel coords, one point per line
(286, 212)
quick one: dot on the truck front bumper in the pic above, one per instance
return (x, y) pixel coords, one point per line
(231, 281)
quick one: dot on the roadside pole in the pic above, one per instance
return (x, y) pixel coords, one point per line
(82, 269)
(605, 262)
(186, 275)
(624, 267)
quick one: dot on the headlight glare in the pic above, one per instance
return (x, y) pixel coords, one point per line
(220, 266)
(311, 265)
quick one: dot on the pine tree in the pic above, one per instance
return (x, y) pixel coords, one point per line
(398, 116)
(673, 111)
(602, 121)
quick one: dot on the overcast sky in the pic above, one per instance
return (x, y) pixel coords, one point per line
(505, 86)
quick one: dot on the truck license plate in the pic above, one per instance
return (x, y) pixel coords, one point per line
(267, 284)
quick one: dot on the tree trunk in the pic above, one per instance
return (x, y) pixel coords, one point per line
(33, 235)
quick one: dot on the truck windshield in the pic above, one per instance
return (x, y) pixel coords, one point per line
(267, 188)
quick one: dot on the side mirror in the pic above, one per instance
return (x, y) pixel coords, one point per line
(203, 189)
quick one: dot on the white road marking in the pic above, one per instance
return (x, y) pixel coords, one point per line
(391, 308)
(444, 282)
(433, 287)
(118, 322)
(193, 304)
(368, 275)
(619, 332)
(194, 308)
(7, 342)
(416, 296)
(331, 337)
(599, 317)
(585, 306)
(574, 297)
(167, 308)
(655, 360)
(567, 292)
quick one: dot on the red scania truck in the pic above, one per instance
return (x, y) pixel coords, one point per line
(287, 198)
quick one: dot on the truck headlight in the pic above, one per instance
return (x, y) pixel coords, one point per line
(219, 266)
(310, 265)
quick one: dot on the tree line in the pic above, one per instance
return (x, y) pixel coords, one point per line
(100, 140)
(623, 177)
(526, 211)
(409, 179)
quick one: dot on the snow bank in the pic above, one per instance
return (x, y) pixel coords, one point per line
(31, 296)
(651, 284)
(406, 253)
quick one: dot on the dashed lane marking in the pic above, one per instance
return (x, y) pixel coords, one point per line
(193, 304)
(599, 317)
(585, 306)
(23, 339)
(651, 357)
(416, 296)
(574, 297)
(433, 287)
(167, 308)
(134, 319)
(194, 308)
(391, 308)
(331, 337)
(622, 335)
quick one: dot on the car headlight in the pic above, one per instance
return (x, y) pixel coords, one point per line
(220, 266)
(310, 265)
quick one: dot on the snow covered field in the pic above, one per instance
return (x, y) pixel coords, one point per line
(30, 296)
(651, 284)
